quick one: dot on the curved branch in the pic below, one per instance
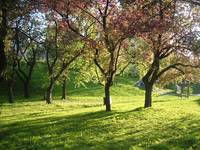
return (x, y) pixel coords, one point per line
(175, 66)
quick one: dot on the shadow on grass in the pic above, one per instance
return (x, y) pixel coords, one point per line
(184, 135)
(99, 130)
(53, 129)
(197, 101)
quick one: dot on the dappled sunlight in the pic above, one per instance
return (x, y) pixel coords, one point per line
(99, 75)
(71, 124)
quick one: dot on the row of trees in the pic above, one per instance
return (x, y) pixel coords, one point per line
(106, 35)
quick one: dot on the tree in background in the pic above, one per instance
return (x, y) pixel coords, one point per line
(10, 71)
(27, 38)
(9, 11)
(3, 32)
(62, 49)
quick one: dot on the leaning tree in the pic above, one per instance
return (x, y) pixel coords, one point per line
(175, 38)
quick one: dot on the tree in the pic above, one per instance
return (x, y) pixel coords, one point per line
(62, 49)
(10, 73)
(173, 38)
(9, 11)
(106, 29)
(27, 30)
(3, 32)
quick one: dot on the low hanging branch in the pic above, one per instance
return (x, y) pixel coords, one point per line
(175, 66)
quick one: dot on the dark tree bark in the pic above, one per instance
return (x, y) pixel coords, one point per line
(64, 89)
(26, 79)
(10, 91)
(3, 61)
(25, 76)
(49, 92)
(148, 95)
(149, 80)
(3, 33)
(11, 82)
(107, 97)
(26, 89)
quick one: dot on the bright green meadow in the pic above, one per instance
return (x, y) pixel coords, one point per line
(81, 123)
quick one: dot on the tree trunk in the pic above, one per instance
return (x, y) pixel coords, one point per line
(182, 88)
(2, 58)
(10, 91)
(148, 95)
(188, 91)
(107, 97)
(26, 89)
(64, 90)
(49, 92)
(45, 95)
(3, 32)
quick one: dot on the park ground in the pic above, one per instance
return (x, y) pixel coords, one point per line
(81, 123)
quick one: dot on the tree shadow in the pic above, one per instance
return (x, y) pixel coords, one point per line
(186, 136)
(53, 127)
(99, 130)
(197, 101)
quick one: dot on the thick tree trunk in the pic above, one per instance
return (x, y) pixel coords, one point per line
(107, 97)
(10, 91)
(2, 58)
(64, 89)
(148, 95)
(49, 92)
(26, 89)
(3, 32)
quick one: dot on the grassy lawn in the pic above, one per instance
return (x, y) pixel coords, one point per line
(82, 123)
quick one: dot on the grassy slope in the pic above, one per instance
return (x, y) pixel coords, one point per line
(81, 122)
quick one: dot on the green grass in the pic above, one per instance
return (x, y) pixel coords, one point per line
(82, 123)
